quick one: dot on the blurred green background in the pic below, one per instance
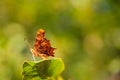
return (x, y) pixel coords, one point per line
(86, 34)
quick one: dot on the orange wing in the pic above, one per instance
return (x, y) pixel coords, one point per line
(42, 47)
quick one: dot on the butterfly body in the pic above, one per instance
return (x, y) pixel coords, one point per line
(42, 47)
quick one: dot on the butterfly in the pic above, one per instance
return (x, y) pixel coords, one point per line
(42, 47)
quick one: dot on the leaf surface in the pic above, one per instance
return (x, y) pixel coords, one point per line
(44, 69)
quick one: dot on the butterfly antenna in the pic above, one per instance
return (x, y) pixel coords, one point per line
(25, 39)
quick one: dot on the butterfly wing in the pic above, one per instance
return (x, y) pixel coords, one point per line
(42, 46)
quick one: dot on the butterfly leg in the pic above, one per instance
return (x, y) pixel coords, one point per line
(33, 54)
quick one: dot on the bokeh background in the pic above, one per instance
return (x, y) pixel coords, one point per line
(86, 34)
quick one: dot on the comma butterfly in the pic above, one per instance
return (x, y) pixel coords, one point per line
(42, 47)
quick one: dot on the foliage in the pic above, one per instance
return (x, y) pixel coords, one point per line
(43, 69)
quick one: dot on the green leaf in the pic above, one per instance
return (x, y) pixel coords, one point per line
(43, 69)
